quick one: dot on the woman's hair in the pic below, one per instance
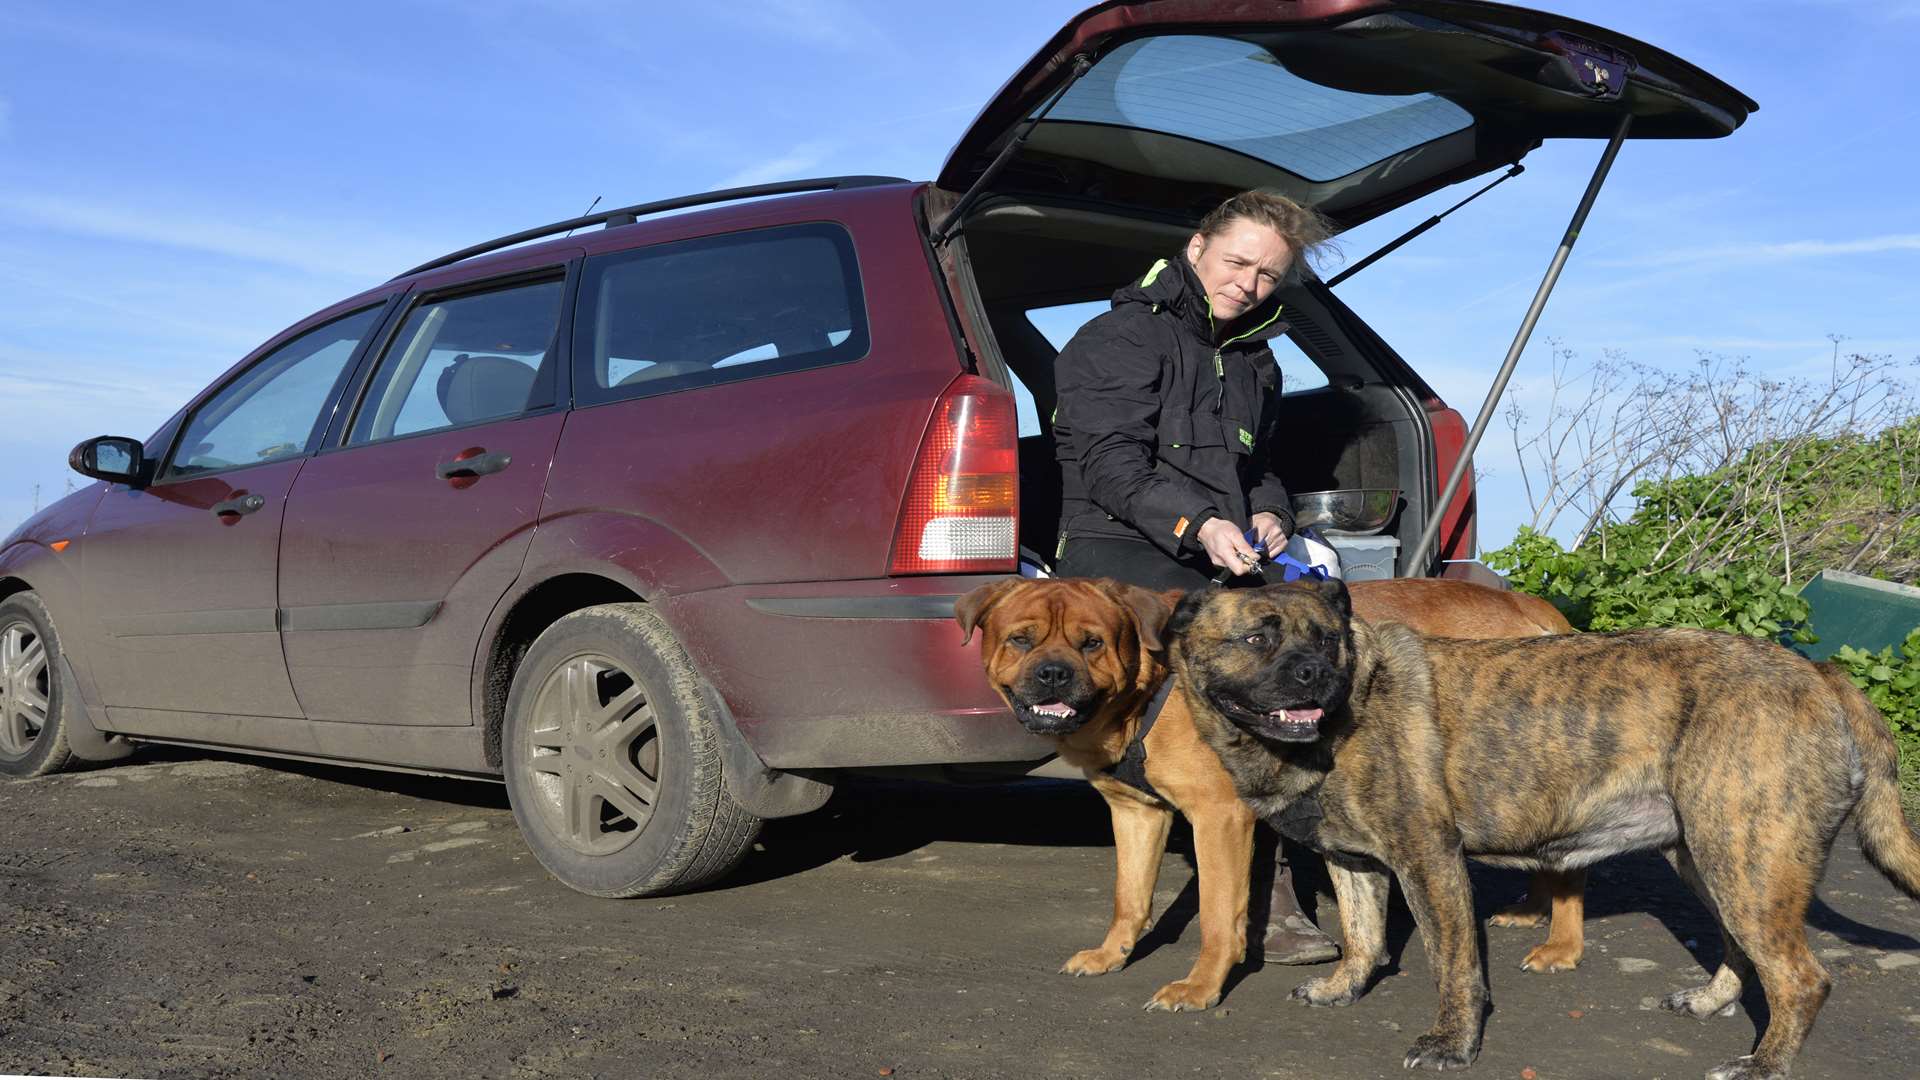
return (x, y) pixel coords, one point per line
(1303, 228)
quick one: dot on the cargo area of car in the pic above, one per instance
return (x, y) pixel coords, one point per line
(1357, 420)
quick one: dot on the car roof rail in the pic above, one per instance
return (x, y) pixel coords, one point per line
(626, 215)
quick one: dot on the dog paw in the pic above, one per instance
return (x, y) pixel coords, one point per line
(1326, 992)
(1520, 914)
(1551, 958)
(1094, 962)
(1183, 996)
(1438, 1051)
(1699, 1002)
(1743, 1068)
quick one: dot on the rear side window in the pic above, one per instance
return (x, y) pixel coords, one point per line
(464, 360)
(717, 309)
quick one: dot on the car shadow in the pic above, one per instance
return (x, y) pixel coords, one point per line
(872, 819)
(476, 793)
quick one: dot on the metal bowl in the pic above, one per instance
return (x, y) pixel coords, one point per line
(1347, 512)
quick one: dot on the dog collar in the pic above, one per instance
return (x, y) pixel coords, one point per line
(1131, 769)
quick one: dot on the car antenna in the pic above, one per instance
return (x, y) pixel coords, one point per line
(584, 213)
(1394, 244)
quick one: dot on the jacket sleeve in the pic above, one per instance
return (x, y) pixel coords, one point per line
(1267, 494)
(1109, 379)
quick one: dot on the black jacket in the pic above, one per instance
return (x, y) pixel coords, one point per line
(1164, 421)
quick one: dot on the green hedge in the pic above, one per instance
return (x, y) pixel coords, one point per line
(1891, 679)
(1614, 586)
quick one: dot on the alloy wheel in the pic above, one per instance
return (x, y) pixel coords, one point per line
(24, 686)
(593, 755)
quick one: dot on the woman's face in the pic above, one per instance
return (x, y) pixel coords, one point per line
(1240, 267)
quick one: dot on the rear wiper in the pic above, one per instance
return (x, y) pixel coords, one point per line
(1394, 244)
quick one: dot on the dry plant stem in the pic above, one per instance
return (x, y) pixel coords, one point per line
(1612, 424)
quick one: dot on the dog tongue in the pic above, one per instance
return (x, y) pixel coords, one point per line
(1297, 716)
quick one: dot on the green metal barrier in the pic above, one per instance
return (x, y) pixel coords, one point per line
(1864, 612)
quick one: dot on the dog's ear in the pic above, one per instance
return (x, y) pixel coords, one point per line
(1150, 610)
(970, 609)
(1334, 592)
(1184, 612)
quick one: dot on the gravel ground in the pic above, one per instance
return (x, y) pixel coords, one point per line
(194, 916)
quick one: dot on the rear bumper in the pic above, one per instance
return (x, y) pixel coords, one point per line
(850, 673)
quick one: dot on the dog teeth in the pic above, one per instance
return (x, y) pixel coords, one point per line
(1058, 709)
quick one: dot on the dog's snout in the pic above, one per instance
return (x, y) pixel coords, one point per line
(1053, 674)
(1309, 669)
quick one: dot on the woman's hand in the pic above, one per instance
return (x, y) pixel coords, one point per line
(1226, 546)
(1271, 533)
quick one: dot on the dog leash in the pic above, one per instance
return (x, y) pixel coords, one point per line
(1291, 569)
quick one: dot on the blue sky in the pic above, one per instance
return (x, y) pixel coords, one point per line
(178, 182)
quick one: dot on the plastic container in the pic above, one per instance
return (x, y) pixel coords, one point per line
(1366, 558)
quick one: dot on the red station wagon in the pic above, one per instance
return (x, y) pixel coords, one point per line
(663, 523)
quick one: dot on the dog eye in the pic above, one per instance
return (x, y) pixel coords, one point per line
(1020, 641)
(1091, 644)
(1255, 639)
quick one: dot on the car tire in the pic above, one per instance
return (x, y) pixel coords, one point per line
(36, 691)
(611, 749)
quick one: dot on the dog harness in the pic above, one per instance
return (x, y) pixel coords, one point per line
(1131, 769)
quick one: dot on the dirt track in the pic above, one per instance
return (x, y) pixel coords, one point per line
(202, 916)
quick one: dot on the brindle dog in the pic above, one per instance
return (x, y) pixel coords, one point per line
(1738, 759)
(1077, 660)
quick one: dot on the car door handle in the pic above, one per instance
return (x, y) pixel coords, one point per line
(472, 464)
(239, 504)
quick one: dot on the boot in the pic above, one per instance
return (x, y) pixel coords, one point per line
(1292, 938)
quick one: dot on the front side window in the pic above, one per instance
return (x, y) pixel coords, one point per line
(271, 411)
(716, 309)
(464, 360)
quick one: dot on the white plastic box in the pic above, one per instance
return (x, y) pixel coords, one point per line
(1366, 558)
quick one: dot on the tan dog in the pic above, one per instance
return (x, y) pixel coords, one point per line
(1403, 755)
(1078, 660)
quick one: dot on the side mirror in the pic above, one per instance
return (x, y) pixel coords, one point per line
(113, 458)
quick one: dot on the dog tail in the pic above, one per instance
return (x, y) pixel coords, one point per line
(1884, 831)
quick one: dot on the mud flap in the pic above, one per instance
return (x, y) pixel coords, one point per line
(87, 742)
(762, 791)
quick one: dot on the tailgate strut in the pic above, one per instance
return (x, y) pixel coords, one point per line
(1416, 562)
(1081, 65)
(1394, 244)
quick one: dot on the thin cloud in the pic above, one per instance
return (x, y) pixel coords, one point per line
(1776, 252)
(793, 164)
(315, 252)
(833, 24)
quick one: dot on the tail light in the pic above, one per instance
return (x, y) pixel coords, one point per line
(961, 511)
(1459, 533)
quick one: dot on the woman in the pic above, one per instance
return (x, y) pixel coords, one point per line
(1165, 430)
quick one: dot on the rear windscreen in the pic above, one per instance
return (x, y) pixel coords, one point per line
(1237, 95)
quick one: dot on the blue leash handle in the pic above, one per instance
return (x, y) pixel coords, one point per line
(1291, 569)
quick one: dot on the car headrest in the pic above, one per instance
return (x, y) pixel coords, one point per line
(482, 387)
